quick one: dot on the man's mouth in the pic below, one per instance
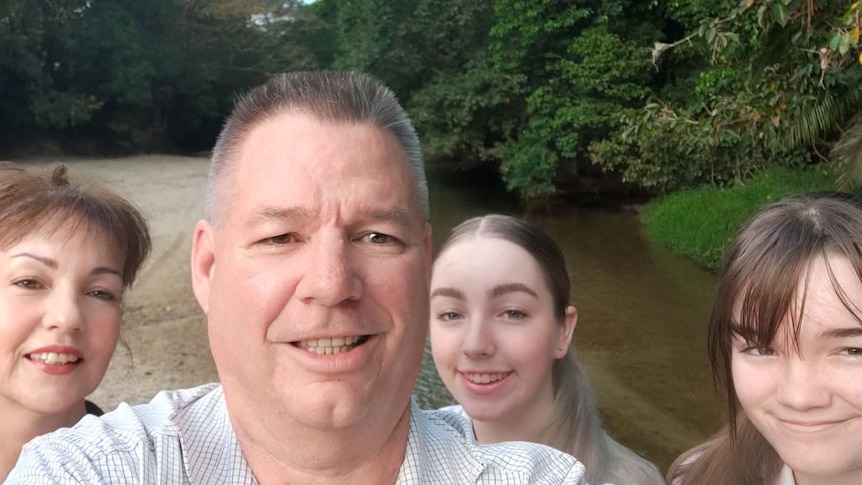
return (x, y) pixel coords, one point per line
(331, 346)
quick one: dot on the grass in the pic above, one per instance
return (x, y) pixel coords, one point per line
(698, 223)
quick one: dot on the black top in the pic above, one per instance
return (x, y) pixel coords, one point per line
(93, 409)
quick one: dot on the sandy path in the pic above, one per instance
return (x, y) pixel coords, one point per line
(164, 328)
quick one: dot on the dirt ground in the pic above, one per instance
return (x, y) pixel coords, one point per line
(164, 328)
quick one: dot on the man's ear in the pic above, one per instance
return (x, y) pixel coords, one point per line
(203, 263)
(566, 332)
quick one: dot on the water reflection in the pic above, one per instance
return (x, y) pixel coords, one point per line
(642, 318)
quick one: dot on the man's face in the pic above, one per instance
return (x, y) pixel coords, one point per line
(315, 281)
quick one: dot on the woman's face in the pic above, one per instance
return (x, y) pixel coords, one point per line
(807, 402)
(60, 315)
(494, 334)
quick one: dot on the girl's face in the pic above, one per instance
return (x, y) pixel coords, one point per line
(59, 318)
(494, 335)
(808, 402)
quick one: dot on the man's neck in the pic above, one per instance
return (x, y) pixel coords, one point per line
(366, 455)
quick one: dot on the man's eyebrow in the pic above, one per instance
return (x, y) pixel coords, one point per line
(841, 332)
(52, 263)
(512, 288)
(269, 214)
(450, 292)
(397, 215)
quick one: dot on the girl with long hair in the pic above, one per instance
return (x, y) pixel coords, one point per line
(501, 331)
(785, 343)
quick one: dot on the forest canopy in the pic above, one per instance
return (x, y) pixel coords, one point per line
(557, 96)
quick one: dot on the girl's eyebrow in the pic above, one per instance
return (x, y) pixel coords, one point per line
(744, 332)
(834, 333)
(511, 288)
(450, 292)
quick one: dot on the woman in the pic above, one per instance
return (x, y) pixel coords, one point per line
(785, 342)
(501, 329)
(66, 256)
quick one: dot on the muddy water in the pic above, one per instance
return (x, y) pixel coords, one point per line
(642, 319)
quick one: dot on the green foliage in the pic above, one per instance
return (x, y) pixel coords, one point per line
(698, 223)
(759, 104)
(146, 75)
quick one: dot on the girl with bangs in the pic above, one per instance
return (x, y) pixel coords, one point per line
(785, 343)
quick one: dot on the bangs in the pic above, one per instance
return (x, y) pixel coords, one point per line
(767, 301)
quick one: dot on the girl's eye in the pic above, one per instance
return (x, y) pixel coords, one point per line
(852, 351)
(514, 314)
(449, 316)
(759, 350)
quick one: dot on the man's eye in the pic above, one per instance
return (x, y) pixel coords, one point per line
(852, 351)
(286, 238)
(379, 238)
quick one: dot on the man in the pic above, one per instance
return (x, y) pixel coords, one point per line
(312, 266)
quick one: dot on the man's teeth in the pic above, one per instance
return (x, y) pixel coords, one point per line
(485, 378)
(327, 346)
(53, 358)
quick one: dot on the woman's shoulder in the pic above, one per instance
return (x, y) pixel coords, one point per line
(93, 408)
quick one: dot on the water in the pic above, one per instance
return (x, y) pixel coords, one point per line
(641, 330)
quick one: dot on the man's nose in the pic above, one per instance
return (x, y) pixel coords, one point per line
(801, 386)
(330, 275)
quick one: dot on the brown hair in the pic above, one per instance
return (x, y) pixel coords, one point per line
(577, 427)
(757, 292)
(39, 199)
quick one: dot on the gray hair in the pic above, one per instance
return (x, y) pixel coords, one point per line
(326, 96)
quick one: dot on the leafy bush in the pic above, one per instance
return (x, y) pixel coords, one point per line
(698, 223)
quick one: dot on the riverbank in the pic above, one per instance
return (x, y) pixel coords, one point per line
(698, 223)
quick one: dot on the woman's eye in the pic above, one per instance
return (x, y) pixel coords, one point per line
(103, 295)
(852, 351)
(28, 283)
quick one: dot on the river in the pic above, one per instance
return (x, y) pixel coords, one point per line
(642, 315)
